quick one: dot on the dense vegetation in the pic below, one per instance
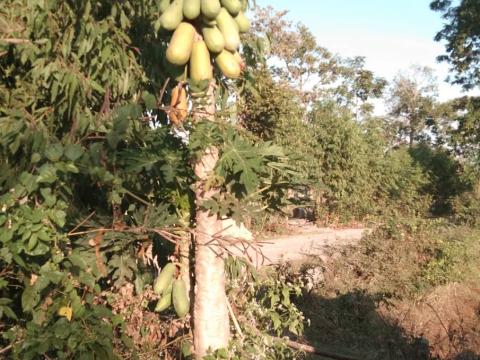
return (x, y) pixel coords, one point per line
(97, 189)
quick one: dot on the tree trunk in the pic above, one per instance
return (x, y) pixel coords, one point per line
(210, 313)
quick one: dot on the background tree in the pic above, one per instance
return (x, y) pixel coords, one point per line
(462, 36)
(412, 102)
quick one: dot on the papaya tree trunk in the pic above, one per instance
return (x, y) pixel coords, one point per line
(210, 313)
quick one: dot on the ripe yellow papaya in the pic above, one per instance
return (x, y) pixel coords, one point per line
(242, 22)
(200, 63)
(233, 6)
(164, 4)
(181, 109)
(164, 279)
(210, 8)
(175, 95)
(180, 47)
(229, 30)
(228, 65)
(180, 298)
(214, 39)
(173, 15)
(191, 9)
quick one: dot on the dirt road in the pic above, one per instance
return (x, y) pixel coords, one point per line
(308, 241)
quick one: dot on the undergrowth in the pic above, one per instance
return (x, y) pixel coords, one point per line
(396, 294)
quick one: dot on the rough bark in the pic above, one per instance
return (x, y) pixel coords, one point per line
(210, 314)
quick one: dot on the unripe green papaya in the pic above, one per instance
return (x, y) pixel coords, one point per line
(180, 47)
(229, 30)
(242, 22)
(180, 298)
(164, 4)
(172, 16)
(200, 65)
(213, 38)
(191, 9)
(228, 65)
(166, 299)
(210, 8)
(233, 6)
(164, 279)
(164, 302)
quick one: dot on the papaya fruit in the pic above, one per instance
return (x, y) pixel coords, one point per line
(180, 298)
(228, 64)
(175, 95)
(181, 109)
(242, 22)
(233, 6)
(240, 60)
(214, 39)
(180, 47)
(209, 22)
(164, 302)
(191, 9)
(210, 8)
(200, 63)
(172, 16)
(164, 279)
(229, 29)
(163, 5)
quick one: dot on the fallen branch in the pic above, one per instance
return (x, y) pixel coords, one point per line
(313, 350)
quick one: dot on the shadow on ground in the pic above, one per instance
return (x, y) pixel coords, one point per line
(350, 324)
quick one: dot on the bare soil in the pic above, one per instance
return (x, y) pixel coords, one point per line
(307, 241)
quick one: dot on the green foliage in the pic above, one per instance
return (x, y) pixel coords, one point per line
(266, 303)
(86, 176)
(466, 207)
(445, 177)
(461, 33)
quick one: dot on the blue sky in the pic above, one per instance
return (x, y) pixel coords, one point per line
(391, 34)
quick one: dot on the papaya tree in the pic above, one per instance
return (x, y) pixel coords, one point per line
(228, 167)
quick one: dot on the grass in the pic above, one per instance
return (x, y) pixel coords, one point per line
(410, 290)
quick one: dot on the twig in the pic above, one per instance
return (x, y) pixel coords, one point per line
(235, 321)
(443, 326)
(15, 41)
(144, 202)
(81, 223)
(5, 349)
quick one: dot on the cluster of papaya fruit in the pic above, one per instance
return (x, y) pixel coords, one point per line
(172, 291)
(203, 29)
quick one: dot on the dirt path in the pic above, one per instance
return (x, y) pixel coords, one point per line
(308, 240)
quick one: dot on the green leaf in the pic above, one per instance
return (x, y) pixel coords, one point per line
(150, 100)
(30, 298)
(54, 152)
(29, 181)
(47, 174)
(77, 260)
(73, 152)
(58, 217)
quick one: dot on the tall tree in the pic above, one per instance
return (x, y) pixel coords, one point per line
(462, 36)
(411, 101)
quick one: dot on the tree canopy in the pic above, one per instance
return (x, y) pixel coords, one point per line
(462, 36)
